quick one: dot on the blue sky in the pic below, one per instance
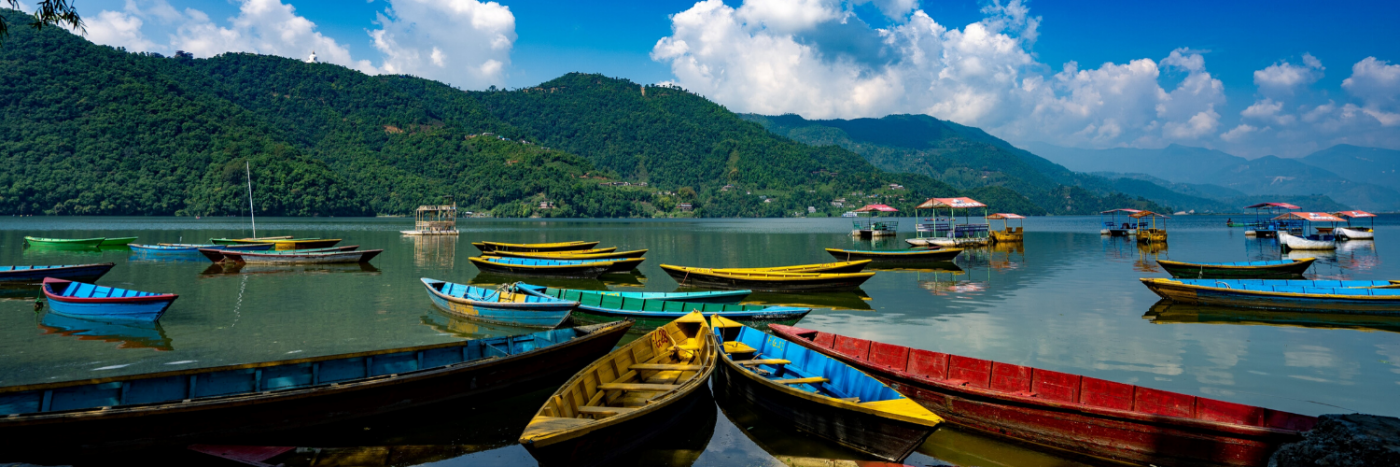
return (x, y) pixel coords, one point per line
(1147, 74)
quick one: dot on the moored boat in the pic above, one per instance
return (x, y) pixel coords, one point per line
(709, 296)
(1356, 232)
(36, 274)
(239, 241)
(897, 256)
(168, 249)
(649, 313)
(1008, 234)
(625, 398)
(185, 406)
(1379, 297)
(503, 305)
(300, 257)
(618, 264)
(602, 253)
(1078, 414)
(216, 254)
(1297, 238)
(65, 242)
(766, 281)
(837, 267)
(589, 269)
(819, 394)
(487, 247)
(83, 300)
(117, 241)
(1279, 269)
(1169, 312)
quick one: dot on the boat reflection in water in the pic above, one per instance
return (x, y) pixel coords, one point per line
(1007, 255)
(841, 300)
(467, 329)
(433, 250)
(782, 441)
(1358, 255)
(487, 279)
(1167, 312)
(127, 334)
(236, 269)
(964, 447)
(139, 257)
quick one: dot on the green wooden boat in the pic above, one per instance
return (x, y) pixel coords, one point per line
(66, 242)
(118, 241)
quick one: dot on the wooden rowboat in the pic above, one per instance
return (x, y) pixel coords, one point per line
(36, 274)
(837, 267)
(65, 242)
(709, 296)
(280, 243)
(819, 394)
(300, 257)
(1379, 297)
(597, 254)
(897, 256)
(618, 264)
(1241, 269)
(216, 254)
(766, 281)
(543, 267)
(624, 399)
(83, 300)
(185, 406)
(1073, 413)
(650, 313)
(504, 305)
(487, 247)
(1169, 312)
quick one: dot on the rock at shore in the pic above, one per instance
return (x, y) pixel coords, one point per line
(1354, 440)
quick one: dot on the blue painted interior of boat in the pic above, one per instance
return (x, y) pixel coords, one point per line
(715, 296)
(83, 290)
(173, 387)
(845, 381)
(27, 268)
(486, 295)
(1301, 287)
(1283, 282)
(897, 252)
(1250, 263)
(543, 262)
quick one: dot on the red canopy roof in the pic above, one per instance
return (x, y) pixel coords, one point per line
(1311, 217)
(1273, 205)
(955, 203)
(1129, 211)
(1004, 215)
(877, 207)
(1142, 214)
(1353, 214)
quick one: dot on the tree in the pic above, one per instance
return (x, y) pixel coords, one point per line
(49, 13)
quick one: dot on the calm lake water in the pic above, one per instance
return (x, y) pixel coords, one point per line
(1067, 300)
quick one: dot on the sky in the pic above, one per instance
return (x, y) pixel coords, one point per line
(1251, 78)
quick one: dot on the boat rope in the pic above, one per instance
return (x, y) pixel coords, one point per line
(1224, 284)
(687, 276)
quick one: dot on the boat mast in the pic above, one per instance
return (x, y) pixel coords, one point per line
(249, 173)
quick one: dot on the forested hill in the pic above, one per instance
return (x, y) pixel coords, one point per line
(88, 129)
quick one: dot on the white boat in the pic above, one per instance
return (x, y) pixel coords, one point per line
(1355, 233)
(917, 241)
(1320, 242)
(959, 242)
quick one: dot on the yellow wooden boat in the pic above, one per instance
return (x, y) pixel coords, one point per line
(487, 247)
(1008, 234)
(766, 281)
(601, 253)
(623, 399)
(837, 267)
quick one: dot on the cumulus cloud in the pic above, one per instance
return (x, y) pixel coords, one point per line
(462, 42)
(1303, 125)
(1284, 79)
(761, 57)
(1377, 84)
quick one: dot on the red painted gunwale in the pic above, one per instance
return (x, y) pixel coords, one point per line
(1079, 414)
(52, 296)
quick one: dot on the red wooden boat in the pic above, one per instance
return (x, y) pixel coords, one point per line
(1082, 415)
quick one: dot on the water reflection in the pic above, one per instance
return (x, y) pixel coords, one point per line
(467, 329)
(20, 291)
(968, 448)
(433, 250)
(779, 440)
(487, 279)
(1167, 312)
(1358, 255)
(1007, 256)
(234, 269)
(138, 257)
(127, 335)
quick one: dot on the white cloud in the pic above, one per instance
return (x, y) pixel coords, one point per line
(1377, 84)
(1284, 79)
(1241, 133)
(462, 42)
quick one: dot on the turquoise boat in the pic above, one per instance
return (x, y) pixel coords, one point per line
(715, 296)
(83, 300)
(651, 313)
(543, 267)
(505, 305)
(1365, 297)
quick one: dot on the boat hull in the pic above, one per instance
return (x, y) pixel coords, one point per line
(1355, 234)
(487, 247)
(1041, 420)
(338, 257)
(609, 443)
(581, 271)
(827, 268)
(1208, 271)
(117, 241)
(534, 315)
(898, 257)
(78, 273)
(593, 315)
(64, 242)
(238, 241)
(1325, 303)
(570, 255)
(690, 279)
(190, 421)
(1294, 242)
(883, 438)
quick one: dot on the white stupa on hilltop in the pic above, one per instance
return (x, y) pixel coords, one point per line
(312, 58)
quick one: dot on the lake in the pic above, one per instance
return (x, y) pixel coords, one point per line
(1066, 300)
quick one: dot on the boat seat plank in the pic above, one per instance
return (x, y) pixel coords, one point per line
(636, 387)
(814, 379)
(738, 347)
(762, 361)
(666, 367)
(598, 410)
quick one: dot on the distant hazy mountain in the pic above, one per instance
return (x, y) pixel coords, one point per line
(1366, 165)
(1182, 164)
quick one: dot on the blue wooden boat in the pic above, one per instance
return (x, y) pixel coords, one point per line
(178, 249)
(126, 334)
(182, 407)
(1376, 297)
(618, 264)
(83, 300)
(36, 274)
(1239, 269)
(584, 269)
(651, 313)
(504, 305)
(818, 394)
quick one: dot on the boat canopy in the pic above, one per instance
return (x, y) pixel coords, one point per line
(1272, 205)
(1142, 214)
(1129, 211)
(952, 203)
(1310, 217)
(877, 207)
(1003, 215)
(1353, 214)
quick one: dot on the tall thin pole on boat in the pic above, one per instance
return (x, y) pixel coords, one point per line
(249, 172)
